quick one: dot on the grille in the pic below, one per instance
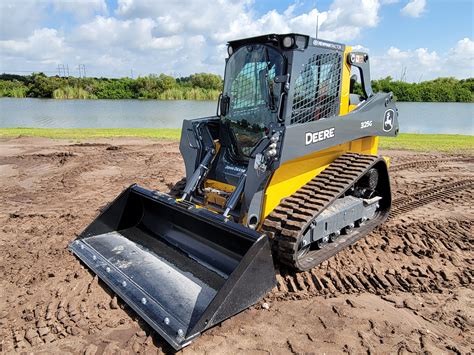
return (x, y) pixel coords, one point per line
(316, 93)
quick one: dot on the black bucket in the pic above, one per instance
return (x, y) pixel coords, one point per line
(182, 269)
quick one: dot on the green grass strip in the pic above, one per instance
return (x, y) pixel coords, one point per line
(91, 133)
(417, 142)
(430, 142)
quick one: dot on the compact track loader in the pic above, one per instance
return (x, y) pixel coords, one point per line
(286, 172)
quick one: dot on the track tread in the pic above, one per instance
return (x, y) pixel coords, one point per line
(289, 220)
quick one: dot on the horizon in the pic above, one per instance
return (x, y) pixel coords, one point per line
(189, 75)
(124, 38)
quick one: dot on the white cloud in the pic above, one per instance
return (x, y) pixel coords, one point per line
(361, 48)
(153, 36)
(461, 58)
(423, 64)
(108, 32)
(190, 35)
(395, 53)
(18, 18)
(81, 9)
(414, 8)
(33, 48)
(226, 20)
(428, 59)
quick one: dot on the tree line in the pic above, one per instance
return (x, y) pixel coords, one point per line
(204, 86)
(437, 90)
(201, 86)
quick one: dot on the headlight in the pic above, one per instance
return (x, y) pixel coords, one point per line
(288, 42)
(230, 50)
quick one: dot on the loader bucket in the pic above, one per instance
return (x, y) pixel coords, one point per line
(182, 269)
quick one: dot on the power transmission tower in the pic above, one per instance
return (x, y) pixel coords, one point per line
(82, 70)
(61, 70)
(403, 76)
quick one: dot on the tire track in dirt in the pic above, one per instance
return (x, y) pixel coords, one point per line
(61, 299)
(390, 260)
(52, 296)
(329, 280)
(85, 306)
(423, 164)
(429, 195)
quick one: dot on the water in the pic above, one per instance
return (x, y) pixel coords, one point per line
(436, 117)
(415, 117)
(48, 113)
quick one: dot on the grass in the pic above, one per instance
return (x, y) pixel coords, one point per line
(417, 142)
(72, 92)
(91, 133)
(430, 142)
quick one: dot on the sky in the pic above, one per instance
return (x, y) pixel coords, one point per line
(412, 40)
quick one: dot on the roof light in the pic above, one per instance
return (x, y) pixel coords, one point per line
(288, 42)
(230, 50)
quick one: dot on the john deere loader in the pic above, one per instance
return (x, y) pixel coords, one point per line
(286, 173)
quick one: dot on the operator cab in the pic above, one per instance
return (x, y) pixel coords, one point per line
(251, 97)
(271, 81)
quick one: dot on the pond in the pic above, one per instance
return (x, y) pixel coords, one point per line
(415, 117)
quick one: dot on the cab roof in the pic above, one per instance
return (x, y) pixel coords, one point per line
(300, 41)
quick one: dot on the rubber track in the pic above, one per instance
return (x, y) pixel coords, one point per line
(428, 163)
(423, 197)
(288, 220)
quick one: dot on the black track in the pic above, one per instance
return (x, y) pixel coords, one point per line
(289, 220)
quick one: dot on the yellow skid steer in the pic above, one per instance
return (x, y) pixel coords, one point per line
(286, 172)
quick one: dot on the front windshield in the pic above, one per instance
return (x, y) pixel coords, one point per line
(252, 93)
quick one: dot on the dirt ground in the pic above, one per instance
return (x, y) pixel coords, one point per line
(407, 287)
